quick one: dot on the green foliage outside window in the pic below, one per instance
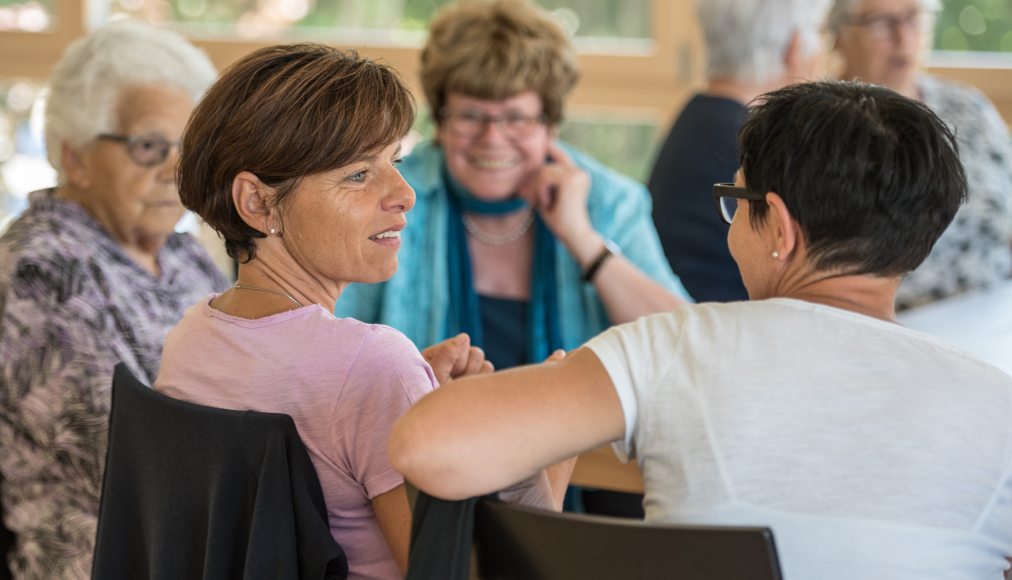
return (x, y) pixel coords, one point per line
(594, 18)
(975, 25)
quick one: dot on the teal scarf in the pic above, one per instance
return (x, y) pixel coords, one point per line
(464, 315)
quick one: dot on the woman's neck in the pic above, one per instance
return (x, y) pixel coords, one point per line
(278, 284)
(143, 250)
(862, 293)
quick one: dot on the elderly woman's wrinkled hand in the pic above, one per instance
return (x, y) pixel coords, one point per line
(558, 192)
(455, 357)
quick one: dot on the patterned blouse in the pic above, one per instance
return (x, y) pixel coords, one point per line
(976, 250)
(72, 305)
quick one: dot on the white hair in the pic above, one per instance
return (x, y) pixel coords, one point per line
(747, 39)
(85, 87)
(842, 8)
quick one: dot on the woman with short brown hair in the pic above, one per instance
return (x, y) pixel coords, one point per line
(292, 158)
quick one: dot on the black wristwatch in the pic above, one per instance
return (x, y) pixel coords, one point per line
(609, 249)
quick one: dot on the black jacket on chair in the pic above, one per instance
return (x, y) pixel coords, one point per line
(193, 492)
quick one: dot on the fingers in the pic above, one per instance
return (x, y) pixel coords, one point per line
(559, 155)
(455, 357)
(475, 362)
(460, 351)
(541, 188)
(556, 356)
(445, 357)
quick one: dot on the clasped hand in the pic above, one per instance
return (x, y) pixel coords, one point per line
(455, 357)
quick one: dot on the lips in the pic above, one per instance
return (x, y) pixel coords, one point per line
(494, 164)
(393, 233)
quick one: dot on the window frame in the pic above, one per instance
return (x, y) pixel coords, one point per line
(651, 82)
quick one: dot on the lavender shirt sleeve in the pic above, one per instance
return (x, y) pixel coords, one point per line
(388, 376)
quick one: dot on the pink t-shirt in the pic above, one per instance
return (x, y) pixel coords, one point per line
(342, 381)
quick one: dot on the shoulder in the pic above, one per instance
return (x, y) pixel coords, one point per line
(42, 236)
(717, 112)
(956, 103)
(38, 259)
(187, 246)
(388, 360)
(190, 257)
(389, 344)
(375, 340)
(937, 90)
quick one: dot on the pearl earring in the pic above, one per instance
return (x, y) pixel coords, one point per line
(273, 231)
(776, 255)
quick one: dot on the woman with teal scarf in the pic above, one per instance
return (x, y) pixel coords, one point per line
(523, 243)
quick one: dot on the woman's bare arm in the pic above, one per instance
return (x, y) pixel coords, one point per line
(477, 435)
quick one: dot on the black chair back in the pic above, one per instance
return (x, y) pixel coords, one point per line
(193, 492)
(518, 543)
(6, 543)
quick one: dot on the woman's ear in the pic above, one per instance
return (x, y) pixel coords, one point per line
(75, 166)
(250, 196)
(787, 237)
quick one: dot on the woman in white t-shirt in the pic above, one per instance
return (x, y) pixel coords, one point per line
(871, 450)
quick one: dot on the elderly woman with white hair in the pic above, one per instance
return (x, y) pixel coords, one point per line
(752, 46)
(91, 275)
(884, 42)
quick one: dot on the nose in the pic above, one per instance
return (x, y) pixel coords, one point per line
(492, 131)
(167, 169)
(400, 197)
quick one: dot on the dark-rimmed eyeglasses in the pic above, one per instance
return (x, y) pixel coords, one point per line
(469, 123)
(726, 196)
(882, 26)
(146, 151)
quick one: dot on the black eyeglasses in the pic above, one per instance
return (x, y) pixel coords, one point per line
(882, 26)
(146, 151)
(726, 196)
(470, 123)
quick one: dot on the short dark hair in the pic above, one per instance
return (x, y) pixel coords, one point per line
(872, 178)
(282, 113)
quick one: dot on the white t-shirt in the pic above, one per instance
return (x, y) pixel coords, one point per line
(871, 450)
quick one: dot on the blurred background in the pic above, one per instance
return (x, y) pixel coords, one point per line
(640, 60)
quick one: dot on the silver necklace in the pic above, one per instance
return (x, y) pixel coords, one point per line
(497, 239)
(239, 286)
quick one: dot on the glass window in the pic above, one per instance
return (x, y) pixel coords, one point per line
(626, 145)
(975, 25)
(26, 15)
(23, 165)
(396, 21)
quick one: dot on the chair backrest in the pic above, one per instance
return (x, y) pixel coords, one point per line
(513, 542)
(6, 543)
(194, 492)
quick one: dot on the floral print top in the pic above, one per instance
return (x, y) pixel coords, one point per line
(72, 305)
(976, 250)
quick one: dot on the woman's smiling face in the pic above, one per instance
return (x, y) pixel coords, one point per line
(492, 164)
(344, 225)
